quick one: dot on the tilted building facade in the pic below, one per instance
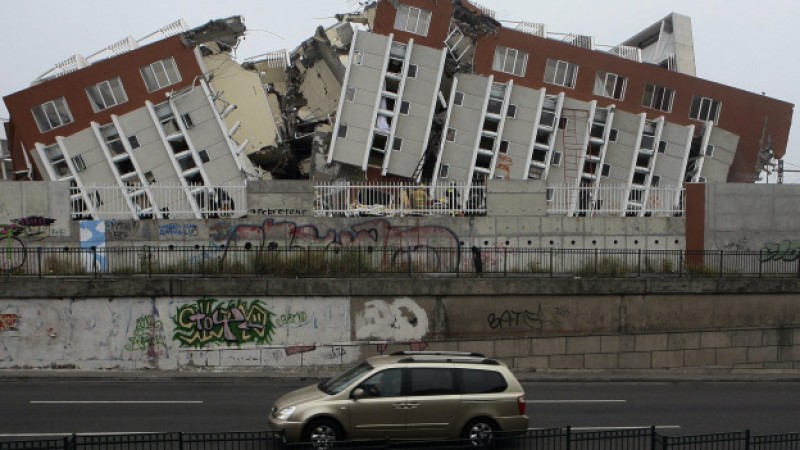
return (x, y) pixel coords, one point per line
(442, 92)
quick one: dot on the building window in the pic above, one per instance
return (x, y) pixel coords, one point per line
(662, 146)
(342, 132)
(704, 108)
(134, 141)
(709, 150)
(359, 57)
(350, 94)
(413, 20)
(561, 73)
(658, 97)
(451, 134)
(458, 98)
(556, 159)
(606, 170)
(397, 145)
(160, 74)
(655, 181)
(77, 161)
(203, 156)
(503, 147)
(412, 71)
(52, 114)
(511, 113)
(187, 120)
(444, 170)
(404, 107)
(509, 60)
(106, 94)
(612, 135)
(610, 85)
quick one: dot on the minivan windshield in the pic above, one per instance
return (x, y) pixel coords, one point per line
(340, 382)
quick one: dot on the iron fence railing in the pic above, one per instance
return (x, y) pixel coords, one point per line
(356, 261)
(533, 439)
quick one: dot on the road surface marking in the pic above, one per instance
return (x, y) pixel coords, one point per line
(125, 402)
(573, 401)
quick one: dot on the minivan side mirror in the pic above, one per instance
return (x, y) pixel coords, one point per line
(358, 393)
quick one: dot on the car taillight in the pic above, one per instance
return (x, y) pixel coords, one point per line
(521, 404)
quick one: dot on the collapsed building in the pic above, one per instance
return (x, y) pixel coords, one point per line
(440, 93)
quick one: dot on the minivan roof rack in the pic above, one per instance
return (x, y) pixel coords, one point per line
(438, 353)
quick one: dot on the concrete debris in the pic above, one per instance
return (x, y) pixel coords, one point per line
(225, 32)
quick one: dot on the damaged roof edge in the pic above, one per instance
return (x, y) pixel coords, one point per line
(223, 31)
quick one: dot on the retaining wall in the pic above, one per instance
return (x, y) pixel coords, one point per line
(268, 324)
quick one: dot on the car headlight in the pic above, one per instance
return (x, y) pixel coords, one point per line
(285, 413)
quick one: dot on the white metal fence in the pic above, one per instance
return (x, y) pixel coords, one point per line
(397, 199)
(158, 201)
(615, 200)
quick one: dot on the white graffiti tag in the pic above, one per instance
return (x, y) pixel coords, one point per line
(399, 320)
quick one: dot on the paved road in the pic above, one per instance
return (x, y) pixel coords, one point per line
(57, 406)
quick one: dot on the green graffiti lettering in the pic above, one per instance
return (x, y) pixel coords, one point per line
(235, 322)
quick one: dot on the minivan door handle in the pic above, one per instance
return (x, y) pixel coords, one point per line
(411, 405)
(400, 405)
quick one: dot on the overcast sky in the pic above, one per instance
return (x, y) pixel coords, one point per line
(742, 43)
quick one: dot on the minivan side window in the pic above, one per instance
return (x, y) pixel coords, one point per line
(432, 381)
(481, 381)
(387, 383)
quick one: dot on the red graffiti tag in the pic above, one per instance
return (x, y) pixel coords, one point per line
(8, 321)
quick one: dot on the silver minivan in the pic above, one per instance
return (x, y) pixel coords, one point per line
(406, 395)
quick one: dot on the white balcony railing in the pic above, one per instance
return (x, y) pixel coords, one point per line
(162, 200)
(615, 201)
(397, 199)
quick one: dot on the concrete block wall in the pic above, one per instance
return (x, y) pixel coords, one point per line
(758, 348)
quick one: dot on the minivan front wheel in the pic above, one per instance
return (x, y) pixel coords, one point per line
(479, 431)
(322, 433)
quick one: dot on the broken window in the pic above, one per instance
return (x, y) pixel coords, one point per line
(397, 145)
(106, 94)
(77, 161)
(113, 141)
(444, 170)
(203, 156)
(413, 20)
(560, 72)
(350, 94)
(342, 132)
(704, 108)
(134, 141)
(511, 113)
(451, 134)
(405, 107)
(160, 74)
(658, 97)
(610, 85)
(510, 60)
(52, 114)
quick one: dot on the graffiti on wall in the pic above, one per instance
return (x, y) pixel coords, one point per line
(212, 322)
(786, 250)
(8, 321)
(401, 319)
(148, 336)
(12, 244)
(274, 234)
(93, 235)
(537, 320)
(178, 230)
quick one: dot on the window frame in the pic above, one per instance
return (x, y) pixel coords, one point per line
(712, 108)
(658, 95)
(113, 87)
(154, 74)
(505, 60)
(403, 18)
(618, 88)
(57, 108)
(568, 69)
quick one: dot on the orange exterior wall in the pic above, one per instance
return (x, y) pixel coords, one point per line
(745, 114)
(22, 128)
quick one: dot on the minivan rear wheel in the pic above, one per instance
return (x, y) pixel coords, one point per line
(479, 431)
(322, 433)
